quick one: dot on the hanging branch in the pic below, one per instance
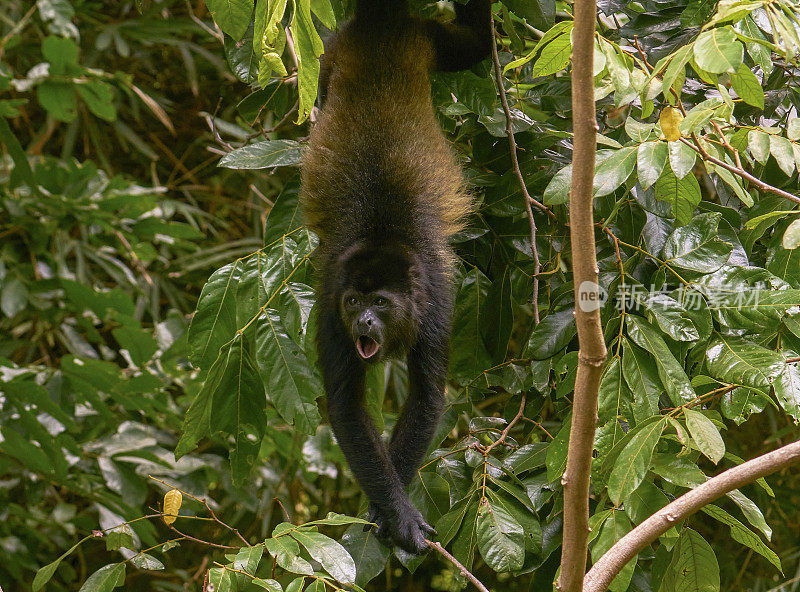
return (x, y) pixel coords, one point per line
(592, 348)
(463, 570)
(611, 563)
(512, 146)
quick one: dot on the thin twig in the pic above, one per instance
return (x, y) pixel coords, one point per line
(512, 145)
(213, 123)
(208, 507)
(740, 172)
(504, 433)
(464, 571)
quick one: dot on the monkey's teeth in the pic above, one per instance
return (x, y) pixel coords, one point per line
(367, 347)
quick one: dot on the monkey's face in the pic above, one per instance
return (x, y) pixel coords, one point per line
(379, 321)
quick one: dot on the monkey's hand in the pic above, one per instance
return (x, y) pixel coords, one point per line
(407, 528)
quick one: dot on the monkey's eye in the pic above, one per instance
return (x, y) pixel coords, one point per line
(381, 301)
(352, 301)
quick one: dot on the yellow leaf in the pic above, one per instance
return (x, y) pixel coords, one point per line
(670, 120)
(172, 504)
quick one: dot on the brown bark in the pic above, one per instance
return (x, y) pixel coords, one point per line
(592, 349)
(611, 563)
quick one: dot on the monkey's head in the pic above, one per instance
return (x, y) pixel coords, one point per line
(376, 299)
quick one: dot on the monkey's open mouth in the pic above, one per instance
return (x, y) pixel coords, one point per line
(367, 346)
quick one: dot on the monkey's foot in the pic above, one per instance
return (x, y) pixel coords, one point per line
(407, 528)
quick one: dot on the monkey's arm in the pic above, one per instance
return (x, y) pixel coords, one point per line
(427, 373)
(361, 443)
(465, 42)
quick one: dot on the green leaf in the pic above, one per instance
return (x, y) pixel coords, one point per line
(214, 322)
(694, 566)
(197, 423)
(264, 155)
(58, 99)
(681, 158)
(736, 361)
(526, 457)
(551, 335)
(468, 354)
(13, 297)
(46, 572)
(787, 390)
(21, 165)
(105, 579)
(750, 510)
(518, 505)
(675, 71)
(748, 87)
(120, 537)
(633, 462)
(146, 561)
(645, 501)
(697, 246)
(614, 528)
(286, 552)
(705, 434)
(672, 374)
(614, 395)
(641, 374)
(699, 115)
(614, 170)
(497, 317)
(556, 459)
(232, 16)
(139, 343)
(683, 195)
(782, 150)
(791, 237)
(291, 383)
(500, 538)
(220, 579)
(99, 97)
(718, 51)
(758, 142)
(557, 190)
(670, 316)
(368, 554)
(650, 160)
(242, 57)
(741, 534)
(333, 557)
(554, 57)
(678, 471)
(62, 53)
(308, 46)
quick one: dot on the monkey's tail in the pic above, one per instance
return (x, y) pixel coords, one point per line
(370, 11)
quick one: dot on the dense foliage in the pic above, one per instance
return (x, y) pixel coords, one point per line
(113, 214)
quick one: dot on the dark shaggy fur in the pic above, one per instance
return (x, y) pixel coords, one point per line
(382, 189)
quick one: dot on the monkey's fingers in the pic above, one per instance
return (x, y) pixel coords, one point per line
(428, 528)
(374, 516)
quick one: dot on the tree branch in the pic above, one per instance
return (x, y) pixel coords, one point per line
(512, 146)
(740, 172)
(464, 571)
(504, 433)
(612, 562)
(592, 348)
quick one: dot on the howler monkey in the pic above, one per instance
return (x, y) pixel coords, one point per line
(382, 189)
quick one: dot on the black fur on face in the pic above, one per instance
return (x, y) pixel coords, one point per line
(376, 292)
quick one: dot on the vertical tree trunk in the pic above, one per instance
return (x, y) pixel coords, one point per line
(592, 348)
